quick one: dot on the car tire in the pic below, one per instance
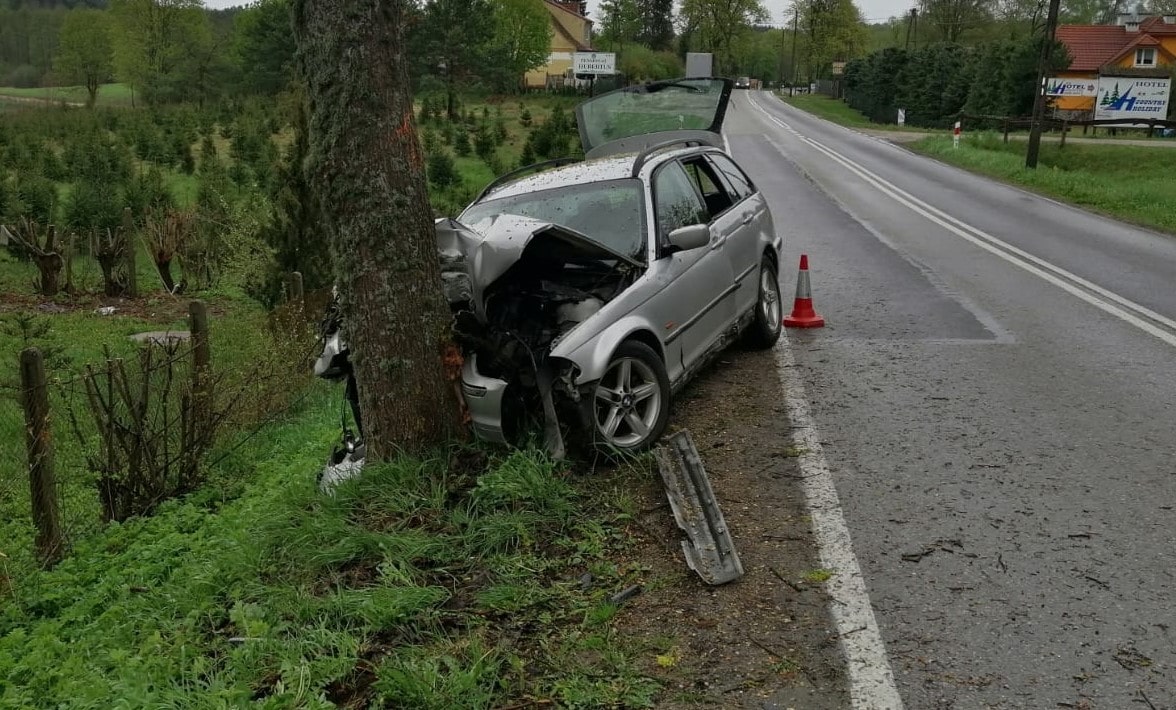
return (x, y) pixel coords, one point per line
(766, 324)
(631, 402)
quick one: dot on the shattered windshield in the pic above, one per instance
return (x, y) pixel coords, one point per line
(609, 212)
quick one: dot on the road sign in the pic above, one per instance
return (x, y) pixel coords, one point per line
(699, 64)
(838, 68)
(595, 63)
(902, 117)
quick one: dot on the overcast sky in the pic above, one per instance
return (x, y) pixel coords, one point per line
(874, 10)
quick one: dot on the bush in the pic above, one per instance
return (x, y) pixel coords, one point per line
(441, 169)
(26, 76)
(37, 197)
(484, 144)
(525, 117)
(147, 191)
(461, 142)
(92, 206)
(53, 167)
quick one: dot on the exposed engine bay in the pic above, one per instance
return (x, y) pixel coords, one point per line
(516, 286)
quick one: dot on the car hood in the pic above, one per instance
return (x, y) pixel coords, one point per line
(474, 257)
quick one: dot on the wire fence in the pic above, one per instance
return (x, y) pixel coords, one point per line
(113, 439)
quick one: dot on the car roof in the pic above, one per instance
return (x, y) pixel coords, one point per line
(613, 167)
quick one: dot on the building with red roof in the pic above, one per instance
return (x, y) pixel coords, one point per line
(1136, 47)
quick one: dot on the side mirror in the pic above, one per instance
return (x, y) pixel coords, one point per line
(693, 236)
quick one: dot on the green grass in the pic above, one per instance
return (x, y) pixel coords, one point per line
(419, 585)
(108, 94)
(837, 111)
(1132, 183)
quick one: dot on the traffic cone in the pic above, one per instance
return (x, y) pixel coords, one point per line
(803, 315)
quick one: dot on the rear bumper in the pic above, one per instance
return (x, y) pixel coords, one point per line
(483, 398)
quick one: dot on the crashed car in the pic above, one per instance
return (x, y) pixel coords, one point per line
(587, 292)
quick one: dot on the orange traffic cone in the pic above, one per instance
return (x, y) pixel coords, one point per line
(803, 315)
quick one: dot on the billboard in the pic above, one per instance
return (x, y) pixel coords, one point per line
(1121, 97)
(1087, 88)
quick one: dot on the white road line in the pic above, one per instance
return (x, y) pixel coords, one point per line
(1126, 310)
(871, 680)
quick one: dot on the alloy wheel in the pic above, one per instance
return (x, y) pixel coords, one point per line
(628, 402)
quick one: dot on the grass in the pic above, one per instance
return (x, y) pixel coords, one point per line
(108, 94)
(1132, 183)
(421, 585)
(838, 112)
(817, 576)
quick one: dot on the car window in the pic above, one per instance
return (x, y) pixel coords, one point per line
(710, 185)
(739, 182)
(608, 212)
(676, 201)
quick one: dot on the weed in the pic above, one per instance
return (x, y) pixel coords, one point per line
(817, 576)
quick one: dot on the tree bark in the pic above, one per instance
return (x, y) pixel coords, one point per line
(367, 169)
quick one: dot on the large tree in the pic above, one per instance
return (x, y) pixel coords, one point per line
(367, 170)
(657, 24)
(521, 39)
(952, 18)
(84, 54)
(832, 31)
(453, 38)
(161, 44)
(620, 22)
(263, 46)
(716, 25)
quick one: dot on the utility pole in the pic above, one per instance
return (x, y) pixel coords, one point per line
(1051, 26)
(915, 18)
(910, 23)
(795, 24)
(780, 70)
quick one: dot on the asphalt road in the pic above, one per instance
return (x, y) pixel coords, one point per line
(995, 394)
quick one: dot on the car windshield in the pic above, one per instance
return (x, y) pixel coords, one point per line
(609, 213)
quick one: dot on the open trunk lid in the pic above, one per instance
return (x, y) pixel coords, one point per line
(636, 117)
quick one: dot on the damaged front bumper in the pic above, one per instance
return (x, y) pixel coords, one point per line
(484, 397)
(563, 404)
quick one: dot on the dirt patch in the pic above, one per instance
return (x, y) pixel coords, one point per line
(765, 640)
(157, 308)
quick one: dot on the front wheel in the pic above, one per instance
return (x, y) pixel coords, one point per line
(631, 402)
(765, 326)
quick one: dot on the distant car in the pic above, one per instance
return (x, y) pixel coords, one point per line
(743, 83)
(587, 292)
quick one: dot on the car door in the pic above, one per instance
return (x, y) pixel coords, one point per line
(749, 213)
(695, 306)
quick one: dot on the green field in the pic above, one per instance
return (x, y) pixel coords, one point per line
(1133, 183)
(108, 94)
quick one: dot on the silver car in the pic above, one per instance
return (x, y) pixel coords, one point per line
(587, 293)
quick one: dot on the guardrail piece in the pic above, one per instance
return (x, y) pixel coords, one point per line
(709, 549)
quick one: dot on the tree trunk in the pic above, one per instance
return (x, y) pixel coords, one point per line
(366, 166)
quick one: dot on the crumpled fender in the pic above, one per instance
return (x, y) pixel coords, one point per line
(592, 352)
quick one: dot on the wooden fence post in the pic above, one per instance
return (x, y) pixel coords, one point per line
(1006, 130)
(201, 359)
(50, 541)
(1065, 130)
(128, 226)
